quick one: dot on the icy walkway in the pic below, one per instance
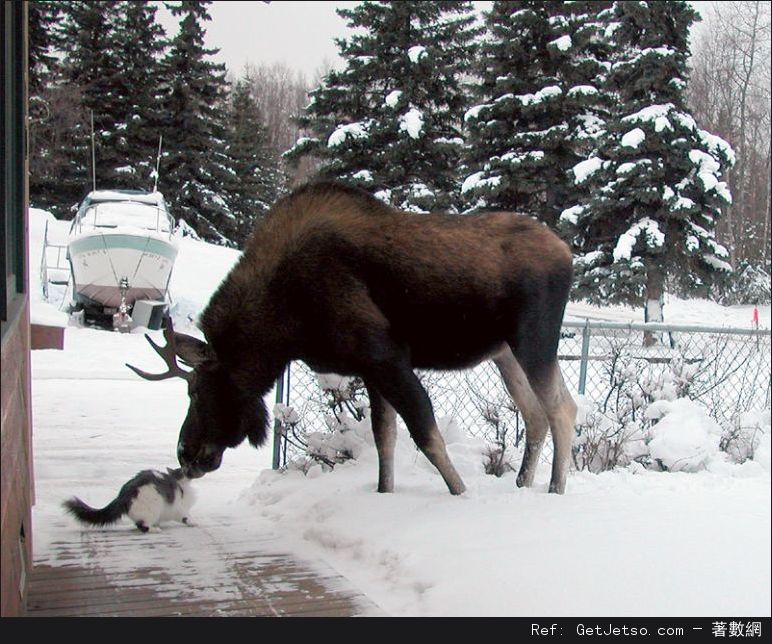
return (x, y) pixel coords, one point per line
(188, 572)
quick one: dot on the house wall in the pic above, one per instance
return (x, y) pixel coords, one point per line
(16, 481)
(16, 471)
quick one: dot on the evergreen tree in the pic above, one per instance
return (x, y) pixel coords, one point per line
(256, 182)
(654, 184)
(194, 165)
(92, 65)
(51, 108)
(540, 105)
(389, 121)
(43, 40)
(141, 43)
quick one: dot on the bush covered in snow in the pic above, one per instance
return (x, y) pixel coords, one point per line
(683, 438)
(347, 420)
(749, 438)
(615, 431)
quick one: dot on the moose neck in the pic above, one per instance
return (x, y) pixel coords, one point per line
(242, 331)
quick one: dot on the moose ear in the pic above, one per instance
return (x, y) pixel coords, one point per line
(190, 350)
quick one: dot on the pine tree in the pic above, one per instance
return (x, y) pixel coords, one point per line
(92, 65)
(51, 105)
(389, 121)
(141, 42)
(43, 40)
(194, 165)
(257, 180)
(540, 106)
(654, 184)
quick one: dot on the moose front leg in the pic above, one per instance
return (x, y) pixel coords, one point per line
(401, 388)
(384, 421)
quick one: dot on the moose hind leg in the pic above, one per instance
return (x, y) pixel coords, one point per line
(530, 407)
(561, 412)
(400, 386)
(384, 421)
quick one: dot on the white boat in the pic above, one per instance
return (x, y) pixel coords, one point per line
(121, 250)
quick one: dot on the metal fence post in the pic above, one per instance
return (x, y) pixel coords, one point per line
(277, 434)
(585, 356)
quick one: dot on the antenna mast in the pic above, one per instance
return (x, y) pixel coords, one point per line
(158, 163)
(93, 152)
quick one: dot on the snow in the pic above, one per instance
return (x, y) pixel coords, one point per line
(661, 123)
(625, 542)
(342, 132)
(633, 138)
(474, 112)
(685, 438)
(571, 215)
(417, 53)
(125, 214)
(392, 98)
(654, 238)
(151, 198)
(363, 175)
(563, 43)
(716, 145)
(582, 90)
(626, 168)
(412, 122)
(543, 94)
(585, 169)
(477, 180)
(650, 113)
(717, 263)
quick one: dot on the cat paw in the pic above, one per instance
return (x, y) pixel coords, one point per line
(155, 528)
(188, 522)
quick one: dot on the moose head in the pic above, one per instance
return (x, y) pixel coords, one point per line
(219, 415)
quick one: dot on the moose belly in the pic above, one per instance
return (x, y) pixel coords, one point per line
(452, 344)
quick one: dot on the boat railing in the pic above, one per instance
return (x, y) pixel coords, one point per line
(54, 263)
(78, 224)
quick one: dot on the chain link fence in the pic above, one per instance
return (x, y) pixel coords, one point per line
(608, 366)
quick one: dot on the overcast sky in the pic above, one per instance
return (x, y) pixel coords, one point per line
(300, 34)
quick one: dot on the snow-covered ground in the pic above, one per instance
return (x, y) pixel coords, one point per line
(628, 542)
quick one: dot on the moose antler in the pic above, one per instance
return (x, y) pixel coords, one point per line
(168, 353)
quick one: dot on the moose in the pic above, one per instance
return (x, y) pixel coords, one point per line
(342, 281)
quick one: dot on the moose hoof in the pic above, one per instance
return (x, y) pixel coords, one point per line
(557, 488)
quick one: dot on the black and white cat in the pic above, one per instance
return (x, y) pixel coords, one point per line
(148, 499)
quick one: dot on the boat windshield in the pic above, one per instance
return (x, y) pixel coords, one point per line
(124, 214)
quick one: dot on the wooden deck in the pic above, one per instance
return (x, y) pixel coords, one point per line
(95, 577)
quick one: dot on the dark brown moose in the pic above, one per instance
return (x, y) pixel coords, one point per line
(347, 284)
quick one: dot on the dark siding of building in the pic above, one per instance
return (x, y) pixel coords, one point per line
(16, 493)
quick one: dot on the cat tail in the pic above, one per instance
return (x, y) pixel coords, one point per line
(101, 517)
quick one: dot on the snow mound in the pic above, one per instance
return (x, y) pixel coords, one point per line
(685, 438)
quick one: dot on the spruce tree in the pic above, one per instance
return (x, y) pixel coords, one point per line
(92, 66)
(539, 105)
(256, 182)
(653, 187)
(389, 121)
(141, 42)
(194, 164)
(48, 110)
